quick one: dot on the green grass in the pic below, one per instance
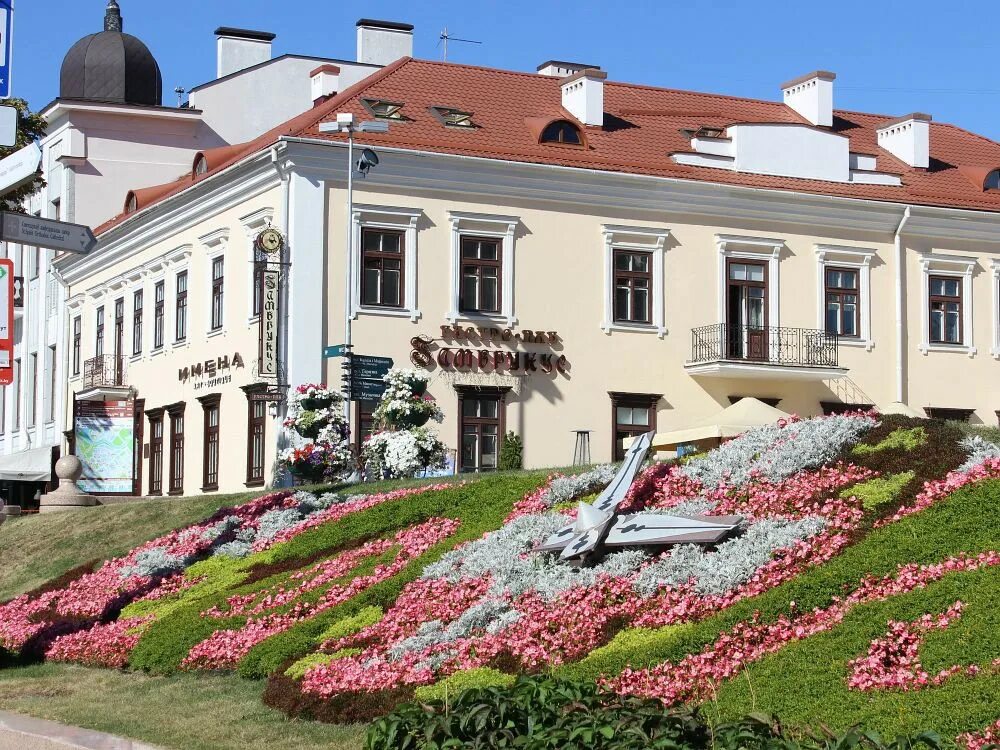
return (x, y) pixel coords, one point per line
(987, 432)
(965, 522)
(184, 712)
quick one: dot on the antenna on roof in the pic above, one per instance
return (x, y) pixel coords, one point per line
(180, 91)
(445, 37)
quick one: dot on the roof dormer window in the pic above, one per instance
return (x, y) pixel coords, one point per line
(562, 131)
(131, 203)
(453, 118)
(200, 166)
(383, 109)
(992, 181)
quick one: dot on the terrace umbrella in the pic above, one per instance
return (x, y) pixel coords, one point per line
(732, 421)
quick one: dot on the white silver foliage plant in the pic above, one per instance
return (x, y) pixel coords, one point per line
(778, 451)
(979, 450)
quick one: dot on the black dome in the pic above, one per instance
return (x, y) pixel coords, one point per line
(111, 66)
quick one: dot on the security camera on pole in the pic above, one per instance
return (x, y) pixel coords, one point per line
(345, 124)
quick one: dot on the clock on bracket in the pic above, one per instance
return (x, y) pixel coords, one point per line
(270, 241)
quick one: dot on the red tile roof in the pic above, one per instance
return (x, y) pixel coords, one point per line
(642, 128)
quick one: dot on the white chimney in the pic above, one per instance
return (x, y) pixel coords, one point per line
(561, 68)
(583, 96)
(239, 49)
(325, 81)
(908, 139)
(383, 42)
(811, 96)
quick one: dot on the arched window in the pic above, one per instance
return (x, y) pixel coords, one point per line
(562, 131)
(200, 165)
(992, 180)
(131, 203)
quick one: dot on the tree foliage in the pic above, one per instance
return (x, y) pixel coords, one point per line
(30, 127)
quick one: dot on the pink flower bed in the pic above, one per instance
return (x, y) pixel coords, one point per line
(224, 648)
(104, 645)
(990, 736)
(694, 677)
(937, 490)
(893, 662)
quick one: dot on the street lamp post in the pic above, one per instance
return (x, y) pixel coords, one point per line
(345, 124)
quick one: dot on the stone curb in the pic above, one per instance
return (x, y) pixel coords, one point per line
(71, 737)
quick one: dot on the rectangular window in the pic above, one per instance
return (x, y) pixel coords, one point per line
(210, 456)
(258, 287)
(633, 284)
(137, 322)
(159, 295)
(77, 338)
(218, 269)
(481, 275)
(945, 305)
(33, 262)
(382, 268)
(99, 335)
(156, 453)
(176, 452)
(53, 385)
(257, 426)
(119, 327)
(632, 415)
(33, 403)
(180, 331)
(481, 417)
(17, 395)
(842, 309)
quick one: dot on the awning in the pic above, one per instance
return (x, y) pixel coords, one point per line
(732, 421)
(27, 466)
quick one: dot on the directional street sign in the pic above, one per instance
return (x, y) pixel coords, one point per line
(367, 390)
(6, 322)
(8, 125)
(6, 29)
(339, 350)
(56, 235)
(20, 167)
(365, 378)
(370, 368)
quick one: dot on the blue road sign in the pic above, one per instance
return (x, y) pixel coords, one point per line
(6, 37)
(339, 350)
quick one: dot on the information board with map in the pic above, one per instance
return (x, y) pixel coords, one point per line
(105, 445)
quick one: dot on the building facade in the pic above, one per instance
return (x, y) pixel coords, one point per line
(563, 254)
(109, 127)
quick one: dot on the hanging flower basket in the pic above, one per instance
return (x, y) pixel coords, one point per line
(413, 419)
(316, 403)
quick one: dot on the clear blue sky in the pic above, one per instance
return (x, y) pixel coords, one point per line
(890, 57)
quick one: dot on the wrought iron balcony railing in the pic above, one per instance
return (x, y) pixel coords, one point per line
(788, 347)
(107, 370)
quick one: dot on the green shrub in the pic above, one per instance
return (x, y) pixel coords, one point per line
(298, 670)
(351, 625)
(452, 685)
(879, 490)
(511, 452)
(899, 439)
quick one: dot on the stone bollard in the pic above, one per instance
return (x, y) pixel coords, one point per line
(68, 496)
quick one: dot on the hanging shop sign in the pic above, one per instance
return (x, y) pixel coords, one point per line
(270, 298)
(426, 352)
(104, 433)
(270, 242)
(212, 372)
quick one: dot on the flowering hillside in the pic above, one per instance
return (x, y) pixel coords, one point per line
(868, 551)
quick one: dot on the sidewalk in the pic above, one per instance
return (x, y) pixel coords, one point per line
(19, 732)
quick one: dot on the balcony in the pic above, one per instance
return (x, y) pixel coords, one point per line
(104, 379)
(731, 351)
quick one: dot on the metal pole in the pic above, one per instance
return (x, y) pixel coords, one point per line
(348, 285)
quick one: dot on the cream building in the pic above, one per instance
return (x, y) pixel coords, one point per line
(563, 254)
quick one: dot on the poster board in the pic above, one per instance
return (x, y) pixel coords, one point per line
(104, 434)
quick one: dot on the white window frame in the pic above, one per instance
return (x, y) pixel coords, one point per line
(75, 307)
(253, 224)
(995, 268)
(178, 261)
(955, 266)
(216, 244)
(856, 258)
(136, 279)
(651, 240)
(154, 272)
(758, 249)
(483, 225)
(397, 219)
